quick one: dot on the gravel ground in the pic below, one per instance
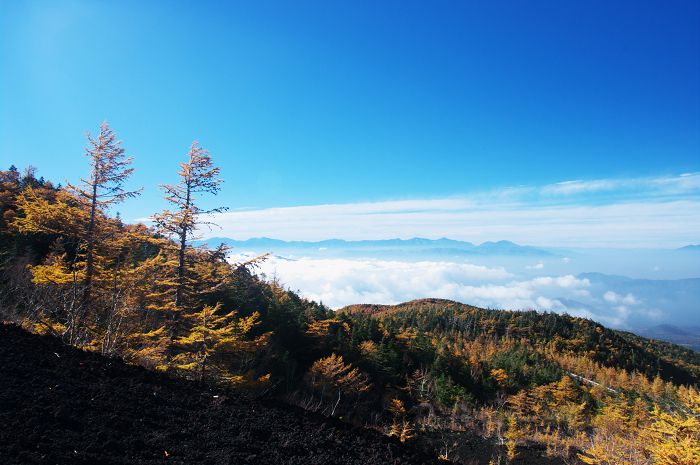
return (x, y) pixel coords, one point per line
(62, 405)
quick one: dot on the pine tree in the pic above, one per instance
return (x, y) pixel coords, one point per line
(128, 273)
(521, 403)
(565, 391)
(207, 331)
(60, 278)
(79, 273)
(613, 442)
(118, 273)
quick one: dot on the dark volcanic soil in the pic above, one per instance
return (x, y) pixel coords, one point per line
(61, 405)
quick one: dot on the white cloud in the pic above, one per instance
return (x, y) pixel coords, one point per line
(571, 187)
(340, 282)
(629, 299)
(638, 212)
(622, 225)
(615, 316)
(614, 320)
(623, 312)
(578, 293)
(568, 281)
(539, 266)
(654, 313)
(683, 184)
(544, 303)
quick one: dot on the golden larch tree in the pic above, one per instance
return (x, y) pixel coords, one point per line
(103, 187)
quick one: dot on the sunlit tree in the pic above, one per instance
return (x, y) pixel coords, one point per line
(103, 188)
(197, 176)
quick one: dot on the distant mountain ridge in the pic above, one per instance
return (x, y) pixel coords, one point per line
(441, 246)
(686, 336)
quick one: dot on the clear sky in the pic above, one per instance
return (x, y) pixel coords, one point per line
(377, 105)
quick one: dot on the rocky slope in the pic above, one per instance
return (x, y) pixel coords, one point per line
(61, 405)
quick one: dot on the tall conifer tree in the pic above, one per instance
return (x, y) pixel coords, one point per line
(103, 188)
(197, 176)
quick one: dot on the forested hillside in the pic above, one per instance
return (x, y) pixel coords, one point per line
(145, 294)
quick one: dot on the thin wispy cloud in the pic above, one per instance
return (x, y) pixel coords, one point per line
(575, 187)
(644, 212)
(654, 187)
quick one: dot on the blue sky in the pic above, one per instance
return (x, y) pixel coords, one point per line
(572, 112)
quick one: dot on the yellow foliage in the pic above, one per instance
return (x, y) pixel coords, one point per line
(402, 429)
(514, 434)
(57, 270)
(658, 387)
(521, 402)
(571, 414)
(611, 420)
(565, 391)
(318, 329)
(396, 408)
(331, 377)
(639, 414)
(44, 325)
(501, 377)
(607, 445)
(675, 436)
(367, 347)
(58, 216)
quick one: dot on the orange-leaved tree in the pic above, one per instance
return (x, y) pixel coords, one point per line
(335, 385)
(674, 436)
(79, 269)
(103, 187)
(216, 345)
(179, 273)
(197, 176)
(59, 279)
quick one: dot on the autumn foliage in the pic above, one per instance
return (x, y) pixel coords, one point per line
(148, 295)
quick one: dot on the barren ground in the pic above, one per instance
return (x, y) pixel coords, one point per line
(62, 405)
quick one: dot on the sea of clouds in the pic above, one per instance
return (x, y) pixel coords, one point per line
(626, 227)
(340, 282)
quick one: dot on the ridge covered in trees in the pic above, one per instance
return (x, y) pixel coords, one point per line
(147, 295)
